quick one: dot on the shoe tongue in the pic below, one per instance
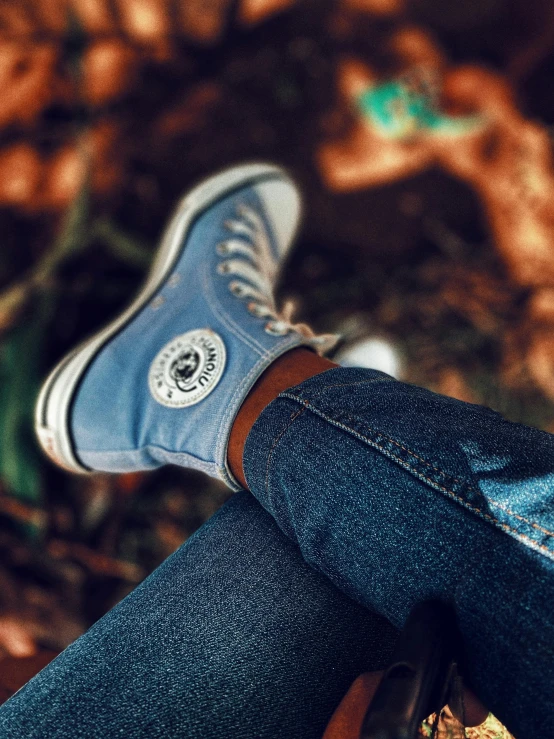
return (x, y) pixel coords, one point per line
(280, 203)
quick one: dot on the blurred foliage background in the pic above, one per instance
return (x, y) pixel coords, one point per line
(420, 133)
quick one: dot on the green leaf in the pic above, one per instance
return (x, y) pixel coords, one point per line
(124, 247)
(21, 353)
(20, 462)
(72, 237)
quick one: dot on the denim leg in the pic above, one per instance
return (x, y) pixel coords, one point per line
(232, 636)
(398, 494)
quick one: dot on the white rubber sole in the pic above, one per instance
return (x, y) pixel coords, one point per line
(56, 395)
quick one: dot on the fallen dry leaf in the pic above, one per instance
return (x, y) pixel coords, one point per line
(452, 383)
(95, 16)
(376, 7)
(541, 306)
(504, 157)
(203, 20)
(252, 12)
(15, 638)
(108, 66)
(20, 172)
(26, 74)
(145, 21)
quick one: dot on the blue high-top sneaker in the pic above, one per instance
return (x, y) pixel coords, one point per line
(164, 381)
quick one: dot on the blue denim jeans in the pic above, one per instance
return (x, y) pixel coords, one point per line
(384, 494)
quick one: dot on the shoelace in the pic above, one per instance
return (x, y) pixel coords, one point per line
(250, 257)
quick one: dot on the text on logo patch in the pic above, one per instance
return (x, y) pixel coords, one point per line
(187, 369)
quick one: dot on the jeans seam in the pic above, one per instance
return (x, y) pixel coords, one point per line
(345, 384)
(470, 487)
(276, 441)
(520, 517)
(388, 438)
(450, 493)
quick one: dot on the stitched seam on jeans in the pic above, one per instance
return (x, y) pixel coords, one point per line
(388, 438)
(344, 384)
(274, 445)
(534, 544)
(469, 486)
(520, 517)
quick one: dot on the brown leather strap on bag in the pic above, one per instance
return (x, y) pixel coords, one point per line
(346, 722)
(422, 678)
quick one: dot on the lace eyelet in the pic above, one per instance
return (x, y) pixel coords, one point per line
(237, 289)
(222, 249)
(157, 303)
(270, 328)
(254, 309)
(223, 268)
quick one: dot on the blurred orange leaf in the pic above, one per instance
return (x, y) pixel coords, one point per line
(20, 171)
(252, 12)
(26, 72)
(15, 638)
(95, 16)
(108, 66)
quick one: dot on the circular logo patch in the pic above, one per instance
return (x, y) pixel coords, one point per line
(187, 369)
